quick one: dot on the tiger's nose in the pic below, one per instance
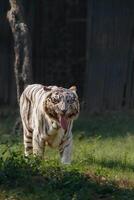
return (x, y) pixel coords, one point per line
(63, 108)
(64, 111)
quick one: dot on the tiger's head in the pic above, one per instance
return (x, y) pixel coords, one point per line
(62, 105)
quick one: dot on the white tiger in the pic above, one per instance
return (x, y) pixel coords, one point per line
(47, 115)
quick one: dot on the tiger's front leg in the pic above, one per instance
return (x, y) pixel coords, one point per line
(28, 147)
(65, 150)
(38, 144)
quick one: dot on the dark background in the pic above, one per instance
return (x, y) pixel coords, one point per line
(87, 43)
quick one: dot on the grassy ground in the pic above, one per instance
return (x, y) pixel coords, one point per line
(102, 166)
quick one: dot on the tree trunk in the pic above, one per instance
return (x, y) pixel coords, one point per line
(22, 46)
(22, 50)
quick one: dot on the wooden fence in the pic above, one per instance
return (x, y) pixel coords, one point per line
(110, 56)
(87, 43)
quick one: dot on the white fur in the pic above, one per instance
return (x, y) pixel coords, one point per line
(39, 121)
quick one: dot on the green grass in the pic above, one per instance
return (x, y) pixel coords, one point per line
(102, 165)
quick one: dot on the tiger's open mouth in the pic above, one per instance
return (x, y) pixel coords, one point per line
(64, 122)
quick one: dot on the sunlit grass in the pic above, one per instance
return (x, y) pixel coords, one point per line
(110, 157)
(103, 152)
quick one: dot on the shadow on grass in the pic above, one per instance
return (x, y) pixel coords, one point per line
(32, 179)
(112, 164)
(105, 125)
(116, 164)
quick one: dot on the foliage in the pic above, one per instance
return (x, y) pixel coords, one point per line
(102, 166)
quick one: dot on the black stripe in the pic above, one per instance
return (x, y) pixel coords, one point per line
(28, 142)
(40, 98)
(29, 90)
(37, 89)
(30, 130)
(31, 94)
(46, 130)
(66, 146)
(46, 127)
(28, 137)
(29, 148)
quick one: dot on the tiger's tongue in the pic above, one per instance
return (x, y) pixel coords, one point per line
(64, 122)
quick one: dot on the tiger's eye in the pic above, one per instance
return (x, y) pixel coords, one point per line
(71, 100)
(48, 99)
(56, 99)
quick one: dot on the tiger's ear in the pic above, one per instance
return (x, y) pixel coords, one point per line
(47, 88)
(73, 88)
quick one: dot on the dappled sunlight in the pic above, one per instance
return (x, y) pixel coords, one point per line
(114, 155)
(102, 161)
(51, 180)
